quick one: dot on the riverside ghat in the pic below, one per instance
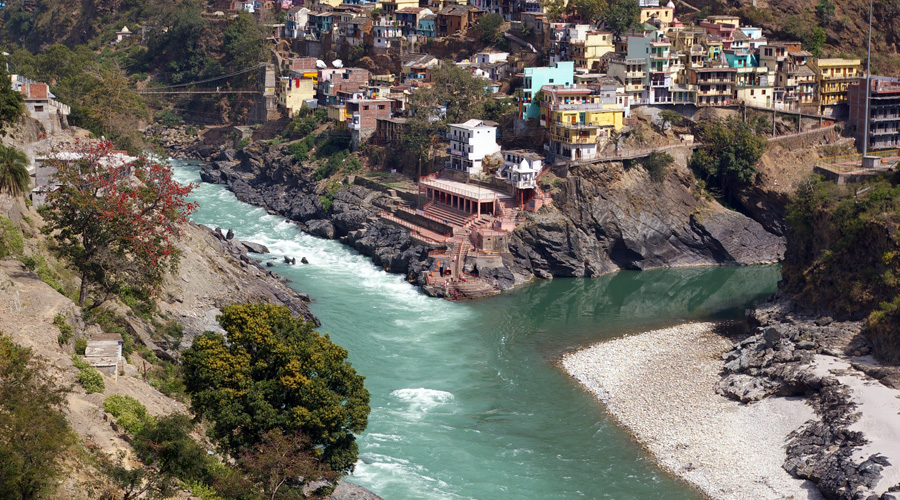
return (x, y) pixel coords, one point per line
(469, 214)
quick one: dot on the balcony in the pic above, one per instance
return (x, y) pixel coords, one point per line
(714, 92)
(881, 118)
(576, 106)
(635, 74)
(576, 125)
(573, 140)
(888, 131)
(714, 80)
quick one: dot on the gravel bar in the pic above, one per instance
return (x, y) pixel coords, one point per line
(660, 386)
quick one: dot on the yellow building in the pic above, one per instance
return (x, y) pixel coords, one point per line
(587, 53)
(293, 91)
(834, 76)
(391, 6)
(732, 20)
(664, 14)
(579, 121)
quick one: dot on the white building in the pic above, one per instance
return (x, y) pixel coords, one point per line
(470, 143)
(521, 168)
(491, 57)
(386, 32)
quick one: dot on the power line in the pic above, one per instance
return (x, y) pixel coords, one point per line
(208, 79)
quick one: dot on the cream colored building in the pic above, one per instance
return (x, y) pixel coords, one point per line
(587, 53)
(292, 92)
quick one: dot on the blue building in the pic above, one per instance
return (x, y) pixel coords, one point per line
(535, 78)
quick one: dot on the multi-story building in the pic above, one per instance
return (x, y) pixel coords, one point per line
(833, 77)
(665, 14)
(294, 93)
(362, 115)
(295, 22)
(535, 79)
(884, 112)
(456, 18)
(715, 86)
(386, 34)
(355, 30)
(409, 18)
(390, 7)
(633, 75)
(335, 83)
(470, 143)
(579, 120)
(588, 50)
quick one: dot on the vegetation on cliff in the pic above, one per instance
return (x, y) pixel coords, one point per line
(843, 255)
(276, 372)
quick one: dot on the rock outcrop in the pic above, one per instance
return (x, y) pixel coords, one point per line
(781, 359)
(604, 218)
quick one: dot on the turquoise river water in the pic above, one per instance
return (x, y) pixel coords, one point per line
(467, 400)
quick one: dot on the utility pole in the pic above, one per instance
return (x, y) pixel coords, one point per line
(865, 150)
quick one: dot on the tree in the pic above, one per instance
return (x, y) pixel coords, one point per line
(622, 15)
(729, 155)
(13, 171)
(243, 42)
(591, 11)
(554, 8)
(279, 460)
(488, 26)
(275, 372)
(12, 103)
(34, 433)
(670, 117)
(657, 165)
(825, 10)
(463, 96)
(116, 221)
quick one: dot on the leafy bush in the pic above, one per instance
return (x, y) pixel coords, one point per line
(65, 329)
(129, 412)
(91, 380)
(11, 241)
(331, 167)
(168, 444)
(168, 118)
(80, 346)
(657, 165)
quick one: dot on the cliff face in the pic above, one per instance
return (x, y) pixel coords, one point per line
(609, 218)
(604, 218)
(842, 257)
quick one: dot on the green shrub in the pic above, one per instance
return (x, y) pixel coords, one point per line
(80, 346)
(129, 412)
(243, 143)
(168, 118)
(65, 329)
(91, 380)
(38, 264)
(167, 444)
(657, 165)
(11, 241)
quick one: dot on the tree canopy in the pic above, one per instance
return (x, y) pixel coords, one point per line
(33, 430)
(729, 155)
(273, 371)
(464, 96)
(12, 103)
(13, 171)
(243, 42)
(115, 221)
(622, 15)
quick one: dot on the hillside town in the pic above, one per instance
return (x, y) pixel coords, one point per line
(579, 100)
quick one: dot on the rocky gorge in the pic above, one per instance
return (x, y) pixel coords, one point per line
(604, 218)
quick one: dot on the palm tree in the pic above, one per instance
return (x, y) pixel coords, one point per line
(13, 171)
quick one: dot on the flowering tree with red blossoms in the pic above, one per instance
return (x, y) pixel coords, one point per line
(116, 221)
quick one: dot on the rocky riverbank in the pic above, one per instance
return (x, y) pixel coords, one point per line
(604, 218)
(796, 410)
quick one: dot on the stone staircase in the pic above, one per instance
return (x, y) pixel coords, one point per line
(446, 213)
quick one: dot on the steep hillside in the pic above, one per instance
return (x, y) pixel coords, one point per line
(842, 257)
(844, 24)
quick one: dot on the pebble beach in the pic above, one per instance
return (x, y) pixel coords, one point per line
(660, 386)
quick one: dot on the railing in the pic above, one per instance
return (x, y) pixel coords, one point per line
(855, 157)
